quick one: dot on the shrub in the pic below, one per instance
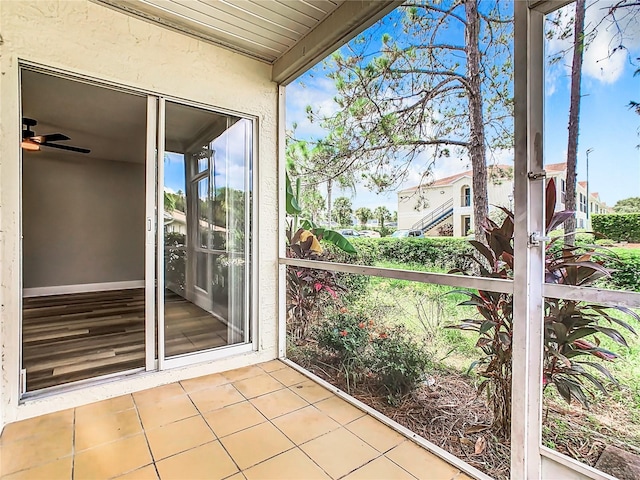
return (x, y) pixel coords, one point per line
(440, 252)
(398, 361)
(571, 344)
(354, 285)
(346, 335)
(618, 226)
(625, 271)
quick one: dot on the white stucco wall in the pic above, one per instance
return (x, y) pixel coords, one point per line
(84, 38)
(407, 201)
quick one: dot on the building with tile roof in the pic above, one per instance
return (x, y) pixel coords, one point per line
(445, 206)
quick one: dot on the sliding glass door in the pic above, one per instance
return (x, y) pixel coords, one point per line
(204, 236)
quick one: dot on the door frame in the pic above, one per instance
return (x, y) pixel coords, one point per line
(155, 360)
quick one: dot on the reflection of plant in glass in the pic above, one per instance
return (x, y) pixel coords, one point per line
(174, 260)
(570, 328)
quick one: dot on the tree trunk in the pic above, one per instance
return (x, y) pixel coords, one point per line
(476, 138)
(574, 122)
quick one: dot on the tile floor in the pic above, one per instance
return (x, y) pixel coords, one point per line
(261, 422)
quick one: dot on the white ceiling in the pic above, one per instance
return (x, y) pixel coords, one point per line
(111, 123)
(264, 29)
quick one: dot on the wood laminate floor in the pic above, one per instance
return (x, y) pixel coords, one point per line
(67, 338)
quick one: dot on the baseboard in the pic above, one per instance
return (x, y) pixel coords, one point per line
(81, 288)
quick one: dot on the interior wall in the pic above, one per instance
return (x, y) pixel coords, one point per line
(82, 220)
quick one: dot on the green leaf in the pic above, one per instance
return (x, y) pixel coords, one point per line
(292, 206)
(335, 238)
(486, 326)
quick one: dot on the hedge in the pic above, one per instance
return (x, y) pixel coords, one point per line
(618, 226)
(440, 252)
(447, 253)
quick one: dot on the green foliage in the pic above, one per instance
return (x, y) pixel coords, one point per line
(346, 335)
(618, 227)
(392, 356)
(382, 214)
(398, 361)
(366, 254)
(572, 350)
(627, 205)
(342, 211)
(440, 252)
(363, 214)
(625, 271)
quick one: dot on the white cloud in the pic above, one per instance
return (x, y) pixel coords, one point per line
(318, 92)
(603, 58)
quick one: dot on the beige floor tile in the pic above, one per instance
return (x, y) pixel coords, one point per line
(56, 470)
(278, 403)
(91, 432)
(311, 391)
(105, 407)
(112, 459)
(290, 465)
(216, 397)
(179, 436)
(208, 461)
(305, 424)
(273, 365)
(237, 476)
(242, 373)
(462, 476)
(256, 386)
(35, 426)
(200, 383)
(233, 418)
(144, 473)
(339, 452)
(158, 394)
(288, 376)
(420, 463)
(167, 411)
(256, 444)
(43, 447)
(380, 469)
(375, 433)
(338, 409)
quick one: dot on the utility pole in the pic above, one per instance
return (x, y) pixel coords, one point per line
(588, 198)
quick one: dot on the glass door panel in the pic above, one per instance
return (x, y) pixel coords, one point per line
(206, 182)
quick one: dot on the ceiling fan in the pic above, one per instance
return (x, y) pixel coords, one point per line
(33, 142)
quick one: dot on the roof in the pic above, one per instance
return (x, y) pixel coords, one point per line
(556, 167)
(450, 180)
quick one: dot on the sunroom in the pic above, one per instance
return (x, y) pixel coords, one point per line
(143, 226)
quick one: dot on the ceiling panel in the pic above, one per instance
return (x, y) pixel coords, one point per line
(264, 30)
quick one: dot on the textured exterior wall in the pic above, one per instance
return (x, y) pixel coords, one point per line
(85, 38)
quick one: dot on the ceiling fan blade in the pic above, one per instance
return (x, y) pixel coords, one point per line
(52, 137)
(66, 147)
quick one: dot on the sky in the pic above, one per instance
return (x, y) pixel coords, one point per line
(229, 159)
(608, 128)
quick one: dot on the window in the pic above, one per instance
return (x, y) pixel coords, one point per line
(465, 201)
(563, 189)
(583, 203)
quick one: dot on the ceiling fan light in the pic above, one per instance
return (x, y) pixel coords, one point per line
(29, 145)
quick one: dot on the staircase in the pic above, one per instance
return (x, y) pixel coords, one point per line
(435, 217)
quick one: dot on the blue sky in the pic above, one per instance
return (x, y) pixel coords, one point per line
(607, 125)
